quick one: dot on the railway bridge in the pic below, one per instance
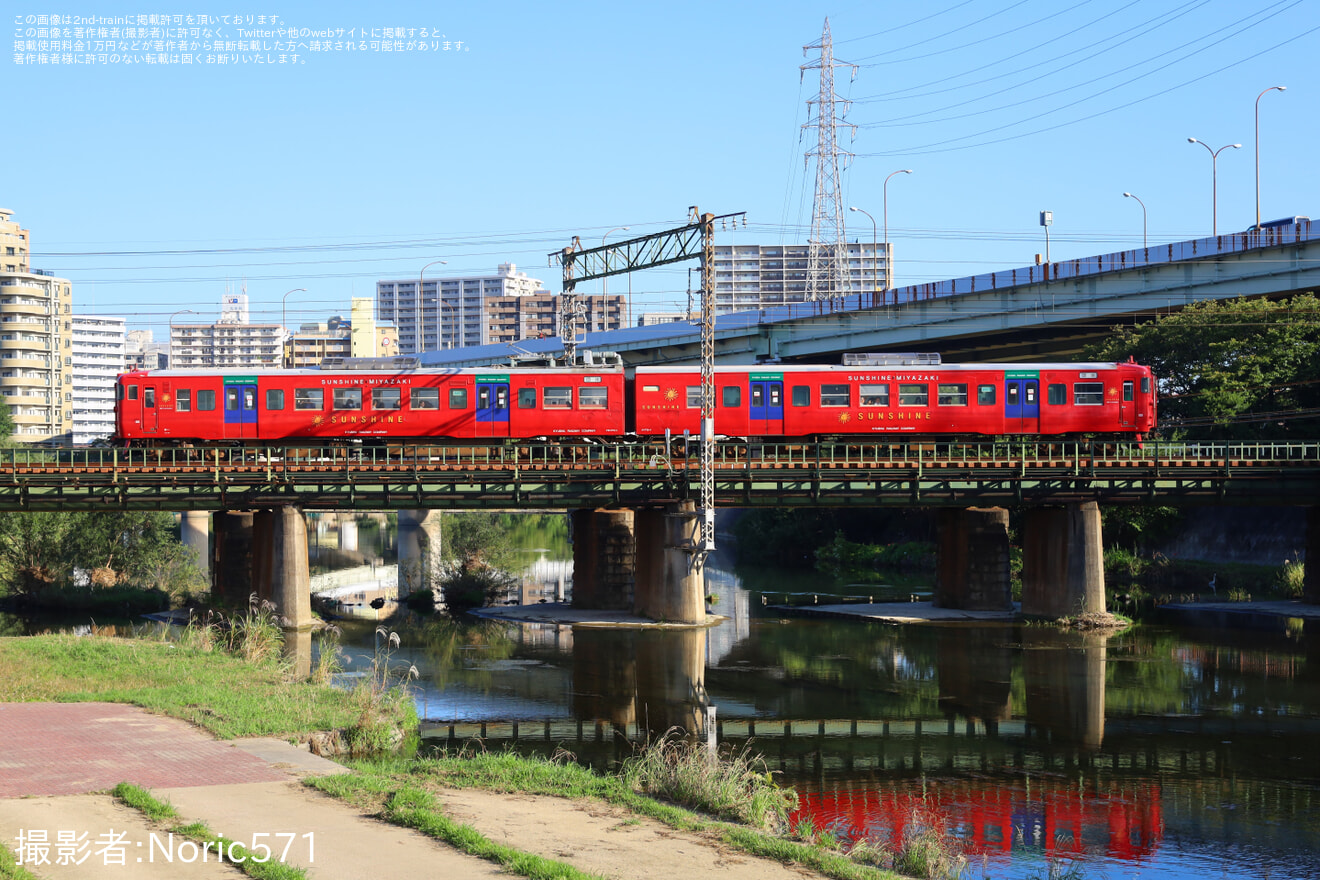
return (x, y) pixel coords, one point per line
(632, 503)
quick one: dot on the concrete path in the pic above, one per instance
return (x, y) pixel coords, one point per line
(57, 756)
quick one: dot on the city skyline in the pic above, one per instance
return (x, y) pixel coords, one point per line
(156, 190)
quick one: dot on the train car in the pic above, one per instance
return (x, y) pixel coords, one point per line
(958, 399)
(281, 406)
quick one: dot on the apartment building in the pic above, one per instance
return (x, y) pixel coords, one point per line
(98, 357)
(36, 313)
(230, 343)
(751, 276)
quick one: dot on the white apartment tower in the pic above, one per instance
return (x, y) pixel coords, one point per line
(230, 343)
(751, 276)
(98, 357)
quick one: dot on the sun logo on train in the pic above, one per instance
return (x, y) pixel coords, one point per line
(671, 394)
(843, 418)
(317, 421)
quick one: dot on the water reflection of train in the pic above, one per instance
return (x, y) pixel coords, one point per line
(1047, 814)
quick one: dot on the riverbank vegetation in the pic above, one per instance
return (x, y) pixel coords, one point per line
(195, 679)
(407, 792)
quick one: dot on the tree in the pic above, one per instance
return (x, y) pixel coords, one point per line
(1244, 369)
(478, 557)
(6, 424)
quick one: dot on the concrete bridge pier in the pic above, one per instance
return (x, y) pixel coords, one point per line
(279, 564)
(1311, 583)
(420, 540)
(638, 561)
(231, 558)
(972, 571)
(1063, 571)
(195, 534)
(668, 585)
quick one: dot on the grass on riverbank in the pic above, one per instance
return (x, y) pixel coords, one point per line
(163, 814)
(403, 792)
(215, 690)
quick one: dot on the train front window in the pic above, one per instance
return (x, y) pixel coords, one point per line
(875, 395)
(386, 398)
(132, 392)
(1145, 385)
(1127, 390)
(347, 398)
(1088, 393)
(308, 398)
(913, 394)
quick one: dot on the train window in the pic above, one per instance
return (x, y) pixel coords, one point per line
(694, 397)
(1145, 385)
(875, 395)
(346, 398)
(119, 392)
(183, 400)
(429, 398)
(249, 398)
(835, 395)
(205, 400)
(802, 395)
(758, 396)
(275, 398)
(985, 395)
(731, 396)
(951, 394)
(1056, 394)
(149, 397)
(303, 398)
(132, 392)
(1011, 394)
(231, 399)
(557, 398)
(1127, 389)
(593, 398)
(386, 398)
(458, 398)
(526, 398)
(1088, 393)
(915, 394)
(650, 389)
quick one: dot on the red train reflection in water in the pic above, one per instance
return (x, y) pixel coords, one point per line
(1122, 821)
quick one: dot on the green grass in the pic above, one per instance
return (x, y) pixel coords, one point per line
(236, 854)
(374, 782)
(212, 689)
(10, 869)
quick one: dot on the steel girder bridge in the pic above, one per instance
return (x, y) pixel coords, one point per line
(549, 475)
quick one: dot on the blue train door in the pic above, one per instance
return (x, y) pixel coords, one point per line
(240, 409)
(492, 408)
(766, 405)
(1022, 403)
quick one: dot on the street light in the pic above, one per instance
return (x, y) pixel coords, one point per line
(284, 324)
(605, 282)
(421, 319)
(1258, 97)
(875, 256)
(889, 264)
(1214, 180)
(1143, 218)
(172, 317)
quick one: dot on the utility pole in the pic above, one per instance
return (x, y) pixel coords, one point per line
(827, 249)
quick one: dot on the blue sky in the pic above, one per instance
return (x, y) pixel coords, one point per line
(157, 187)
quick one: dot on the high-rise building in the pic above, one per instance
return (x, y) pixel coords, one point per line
(98, 357)
(751, 276)
(36, 312)
(503, 307)
(229, 343)
(141, 353)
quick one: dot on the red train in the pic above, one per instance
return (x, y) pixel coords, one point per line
(279, 406)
